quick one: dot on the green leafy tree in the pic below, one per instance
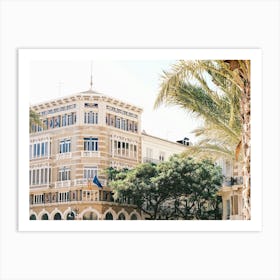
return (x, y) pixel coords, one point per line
(180, 188)
(138, 186)
(195, 185)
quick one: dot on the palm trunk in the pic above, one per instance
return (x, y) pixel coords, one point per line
(245, 110)
(246, 142)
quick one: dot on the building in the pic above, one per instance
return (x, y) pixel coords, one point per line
(83, 135)
(231, 190)
(156, 150)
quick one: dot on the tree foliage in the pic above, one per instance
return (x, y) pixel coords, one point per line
(34, 119)
(207, 89)
(180, 188)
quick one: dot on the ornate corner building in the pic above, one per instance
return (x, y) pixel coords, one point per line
(82, 135)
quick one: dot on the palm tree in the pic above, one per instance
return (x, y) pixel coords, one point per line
(218, 91)
(34, 118)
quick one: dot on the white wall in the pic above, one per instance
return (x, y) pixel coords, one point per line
(159, 146)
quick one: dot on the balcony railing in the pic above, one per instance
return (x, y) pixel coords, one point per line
(63, 156)
(233, 181)
(37, 186)
(88, 182)
(90, 154)
(69, 183)
(61, 184)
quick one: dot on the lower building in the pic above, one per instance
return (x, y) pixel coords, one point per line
(84, 203)
(231, 191)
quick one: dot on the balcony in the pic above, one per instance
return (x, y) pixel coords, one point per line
(233, 181)
(64, 156)
(90, 154)
(39, 186)
(61, 184)
(88, 182)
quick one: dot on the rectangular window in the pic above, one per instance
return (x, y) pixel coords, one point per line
(42, 176)
(52, 123)
(90, 117)
(64, 174)
(135, 151)
(74, 118)
(64, 120)
(65, 146)
(234, 205)
(90, 172)
(43, 149)
(123, 124)
(228, 209)
(38, 149)
(34, 150)
(30, 151)
(118, 123)
(46, 148)
(46, 176)
(70, 120)
(161, 156)
(33, 177)
(56, 121)
(126, 125)
(132, 126)
(91, 144)
(37, 176)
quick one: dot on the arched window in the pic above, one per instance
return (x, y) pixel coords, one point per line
(32, 217)
(70, 216)
(133, 217)
(45, 217)
(90, 216)
(109, 216)
(57, 216)
(121, 217)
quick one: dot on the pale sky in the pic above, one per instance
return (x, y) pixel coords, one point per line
(133, 81)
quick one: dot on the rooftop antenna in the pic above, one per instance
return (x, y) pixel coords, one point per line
(91, 75)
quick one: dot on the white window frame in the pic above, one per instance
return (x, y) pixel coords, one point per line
(90, 172)
(64, 174)
(91, 144)
(65, 146)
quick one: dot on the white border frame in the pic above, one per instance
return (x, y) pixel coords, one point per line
(25, 56)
